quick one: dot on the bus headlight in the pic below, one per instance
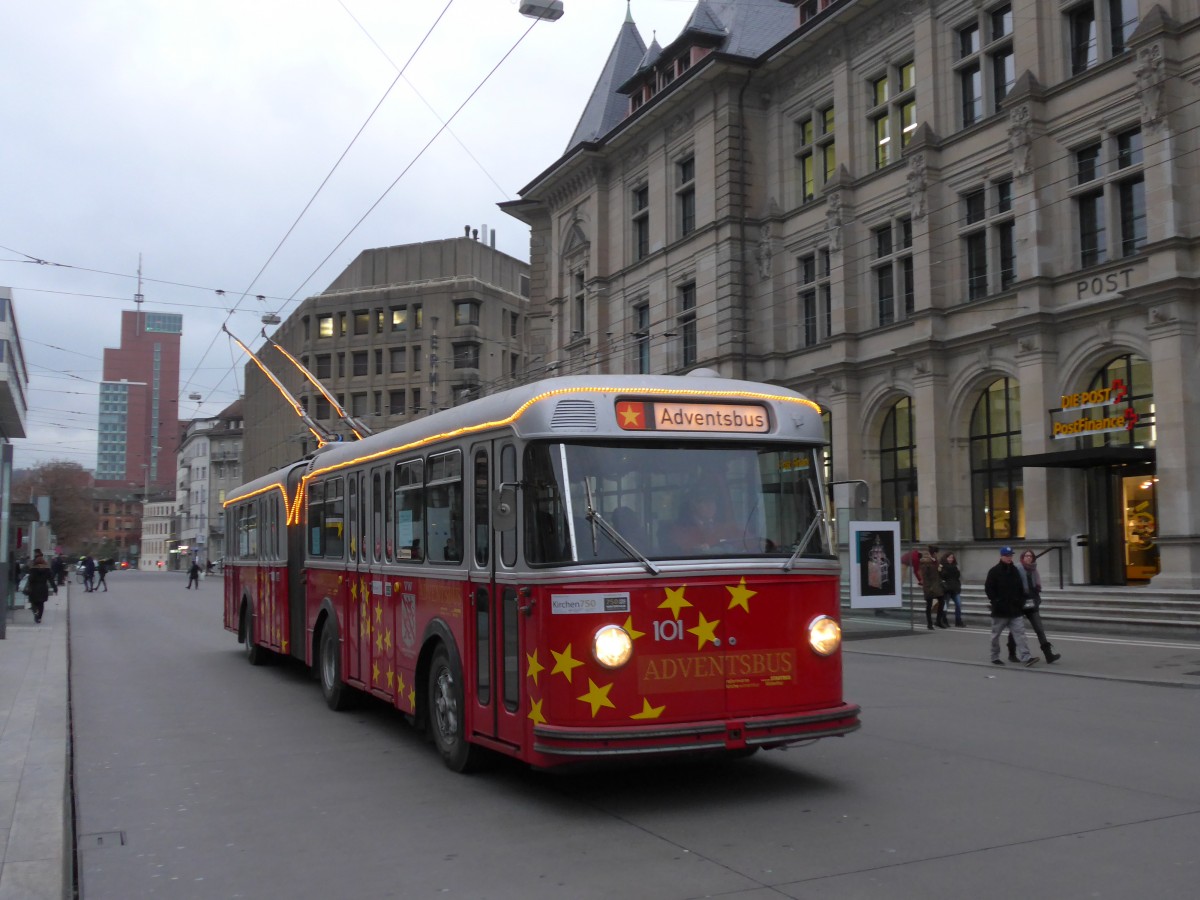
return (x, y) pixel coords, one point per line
(612, 646)
(824, 635)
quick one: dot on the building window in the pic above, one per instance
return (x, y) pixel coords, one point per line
(986, 68)
(399, 359)
(898, 469)
(1109, 181)
(466, 355)
(362, 321)
(997, 485)
(816, 152)
(325, 326)
(810, 8)
(892, 271)
(466, 312)
(641, 222)
(815, 305)
(359, 362)
(399, 318)
(686, 321)
(893, 113)
(1099, 29)
(988, 239)
(685, 195)
(1131, 378)
(358, 405)
(378, 362)
(324, 365)
(396, 403)
(322, 409)
(641, 337)
(578, 305)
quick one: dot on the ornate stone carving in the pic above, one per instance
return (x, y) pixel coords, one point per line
(763, 252)
(1020, 139)
(917, 185)
(681, 123)
(833, 220)
(1151, 76)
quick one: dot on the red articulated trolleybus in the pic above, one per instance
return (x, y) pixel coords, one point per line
(579, 568)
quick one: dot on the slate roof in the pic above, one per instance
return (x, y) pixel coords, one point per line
(746, 28)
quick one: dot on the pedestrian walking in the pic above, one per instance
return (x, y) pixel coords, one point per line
(1006, 596)
(931, 586)
(39, 585)
(194, 576)
(952, 586)
(89, 573)
(1032, 582)
(58, 568)
(103, 568)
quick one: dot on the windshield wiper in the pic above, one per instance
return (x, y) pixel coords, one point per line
(613, 535)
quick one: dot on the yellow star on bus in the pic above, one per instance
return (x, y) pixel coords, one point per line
(648, 711)
(705, 631)
(535, 712)
(535, 668)
(675, 601)
(354, 589)
(283, 646)
(374, 672)
(740, 595)
(400, 684)
(379, 613)
(634, 634)
(387, 640)
(378, 641)
(564, 663)
(597, 696)
(412, 699)
(391, 677)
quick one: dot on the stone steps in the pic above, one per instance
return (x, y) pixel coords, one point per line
(1125, 611)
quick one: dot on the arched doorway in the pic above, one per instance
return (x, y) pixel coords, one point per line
(1122, 505)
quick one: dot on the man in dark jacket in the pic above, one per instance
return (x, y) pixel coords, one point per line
(1006, 595)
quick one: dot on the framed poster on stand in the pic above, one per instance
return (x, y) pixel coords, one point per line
(875, 565)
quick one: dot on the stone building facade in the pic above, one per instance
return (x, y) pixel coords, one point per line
(402, 331)
(967, 229)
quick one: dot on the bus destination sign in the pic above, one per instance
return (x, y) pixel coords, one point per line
(639, 415)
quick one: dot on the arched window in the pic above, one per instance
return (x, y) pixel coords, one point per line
(898, 469)
(997, 486)
(1130, 377)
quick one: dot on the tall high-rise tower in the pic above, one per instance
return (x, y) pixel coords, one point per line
(139, 403)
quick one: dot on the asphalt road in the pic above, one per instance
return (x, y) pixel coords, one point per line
(199, 776)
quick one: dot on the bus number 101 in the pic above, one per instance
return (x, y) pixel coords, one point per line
(668, 630)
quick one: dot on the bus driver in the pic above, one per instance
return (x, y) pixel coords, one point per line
(699, 529)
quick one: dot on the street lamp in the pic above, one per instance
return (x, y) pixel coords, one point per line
(550, 10)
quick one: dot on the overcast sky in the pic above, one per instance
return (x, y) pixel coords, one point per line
(195, 132)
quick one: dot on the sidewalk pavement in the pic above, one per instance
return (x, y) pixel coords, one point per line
(36, 822)
(35, 755)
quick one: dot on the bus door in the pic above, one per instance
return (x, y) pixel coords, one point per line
(356, 556)
(495, 652)
(379, 634)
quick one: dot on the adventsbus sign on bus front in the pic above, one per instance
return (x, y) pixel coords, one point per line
(637, 415)
(1099, 398)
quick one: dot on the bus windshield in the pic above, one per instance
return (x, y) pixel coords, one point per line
(670, 500)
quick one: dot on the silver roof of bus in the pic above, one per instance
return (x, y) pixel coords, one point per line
(580, 406)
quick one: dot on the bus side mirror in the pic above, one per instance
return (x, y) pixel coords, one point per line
(504, 509)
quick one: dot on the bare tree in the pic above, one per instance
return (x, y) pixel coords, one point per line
(69, 487)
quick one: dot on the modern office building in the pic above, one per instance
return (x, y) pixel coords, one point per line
(402, 331)
(966, 228)
(139, 403)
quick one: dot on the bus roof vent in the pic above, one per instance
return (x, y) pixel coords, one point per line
(574, 415)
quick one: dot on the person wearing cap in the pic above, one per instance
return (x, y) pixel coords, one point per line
(1006, 596)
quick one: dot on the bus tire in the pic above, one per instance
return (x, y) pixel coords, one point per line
(255, 655)
(329, 668)
(445, 714)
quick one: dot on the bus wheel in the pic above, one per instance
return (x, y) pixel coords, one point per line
(446, 713)
(255, 654)
(329, 666)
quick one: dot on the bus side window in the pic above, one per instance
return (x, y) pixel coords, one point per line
(316, 519)
(444, 507)
(410, 510)
(508, 475)
(482, 511)
(335, 519)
